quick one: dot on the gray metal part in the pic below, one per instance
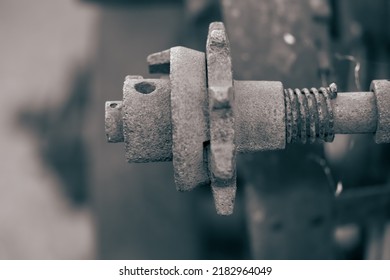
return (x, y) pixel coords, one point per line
(222, 151)
(147, 121)
(159, 62)
(113, 121)
(189, 117)
(260, 116)
(381, 89)
(224, 197)
(354, 112)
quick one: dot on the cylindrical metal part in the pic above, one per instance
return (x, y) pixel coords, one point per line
(143, 119)
(381, 89)
(113, 121)
(147, 119)
(354, 113)
(317, 114)
(260, 116)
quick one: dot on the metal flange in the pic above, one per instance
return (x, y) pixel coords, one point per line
(189, 119)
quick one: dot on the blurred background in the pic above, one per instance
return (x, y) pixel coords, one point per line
(67, 194)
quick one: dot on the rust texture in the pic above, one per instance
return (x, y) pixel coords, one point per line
(381, 89)
(159, 62)
(260, 116)
(200, 118)
(113, 122)
(354, 113)
(222, 152)
(147, 119)
(189, 123)
(309, 115)
(309, 120)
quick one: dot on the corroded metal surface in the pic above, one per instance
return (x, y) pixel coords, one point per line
(222, 152)
(381, 89)
(147, 120)
(113, 122)
(260, 116)
(159, 62)
(189, 121)
(200, 121)
(354, 113)
(309, 114)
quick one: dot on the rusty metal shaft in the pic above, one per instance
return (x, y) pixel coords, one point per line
(353, 113)
(318, 114)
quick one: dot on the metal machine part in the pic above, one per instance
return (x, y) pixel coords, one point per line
(200, 118)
